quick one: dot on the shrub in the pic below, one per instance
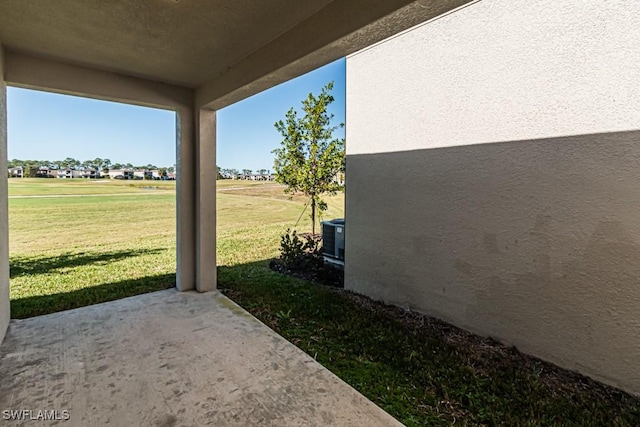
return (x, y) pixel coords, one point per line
(300, 252)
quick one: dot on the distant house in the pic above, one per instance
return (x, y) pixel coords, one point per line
(143, 174)
(68, 173)
(90, 173)
(17, 172)
(121, 174)
(255, 177)
(45, 172)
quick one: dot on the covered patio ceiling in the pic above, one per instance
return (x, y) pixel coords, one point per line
(224, 49)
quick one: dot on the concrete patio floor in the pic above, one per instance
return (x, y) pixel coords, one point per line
(170, 359)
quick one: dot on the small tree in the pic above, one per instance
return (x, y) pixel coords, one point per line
(31, 171)
(310, 157)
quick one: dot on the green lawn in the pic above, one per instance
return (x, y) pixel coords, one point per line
(52, 186)
(72, 251)
(68, 252)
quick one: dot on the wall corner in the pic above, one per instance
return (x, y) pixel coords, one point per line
(5, 313)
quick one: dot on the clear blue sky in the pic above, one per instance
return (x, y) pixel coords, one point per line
(246, 135)
(46, 126)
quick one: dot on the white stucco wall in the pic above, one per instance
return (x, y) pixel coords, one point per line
(493, 160)
(4, 214)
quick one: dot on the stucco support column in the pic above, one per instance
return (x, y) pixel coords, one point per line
(4, 214)
(185, 200)
(206, 200)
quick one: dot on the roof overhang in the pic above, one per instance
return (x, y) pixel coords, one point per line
(222, 50)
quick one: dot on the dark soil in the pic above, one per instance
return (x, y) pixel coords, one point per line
(322, 273)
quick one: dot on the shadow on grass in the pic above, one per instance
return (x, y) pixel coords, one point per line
(22, 308)
(21, 266)
(419, 369)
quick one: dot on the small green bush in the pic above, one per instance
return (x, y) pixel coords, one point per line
(300, 252)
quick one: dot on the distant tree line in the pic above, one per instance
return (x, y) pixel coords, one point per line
(234, 173)
(103, 165)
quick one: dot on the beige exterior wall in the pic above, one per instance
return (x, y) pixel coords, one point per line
(4, 212)
(493, 160)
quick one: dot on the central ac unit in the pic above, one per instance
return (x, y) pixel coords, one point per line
(333, 239)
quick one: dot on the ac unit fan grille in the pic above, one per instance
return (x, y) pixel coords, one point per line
(328, 240)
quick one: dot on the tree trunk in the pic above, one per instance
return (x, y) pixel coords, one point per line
(313, 216)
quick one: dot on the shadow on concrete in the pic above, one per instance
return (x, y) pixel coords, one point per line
(25, 266)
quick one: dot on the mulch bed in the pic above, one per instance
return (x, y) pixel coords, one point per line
(326, 274)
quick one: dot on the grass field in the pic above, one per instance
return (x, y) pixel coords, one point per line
(57, 187)
(68, 251)
(88, 242)
(118, 239)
